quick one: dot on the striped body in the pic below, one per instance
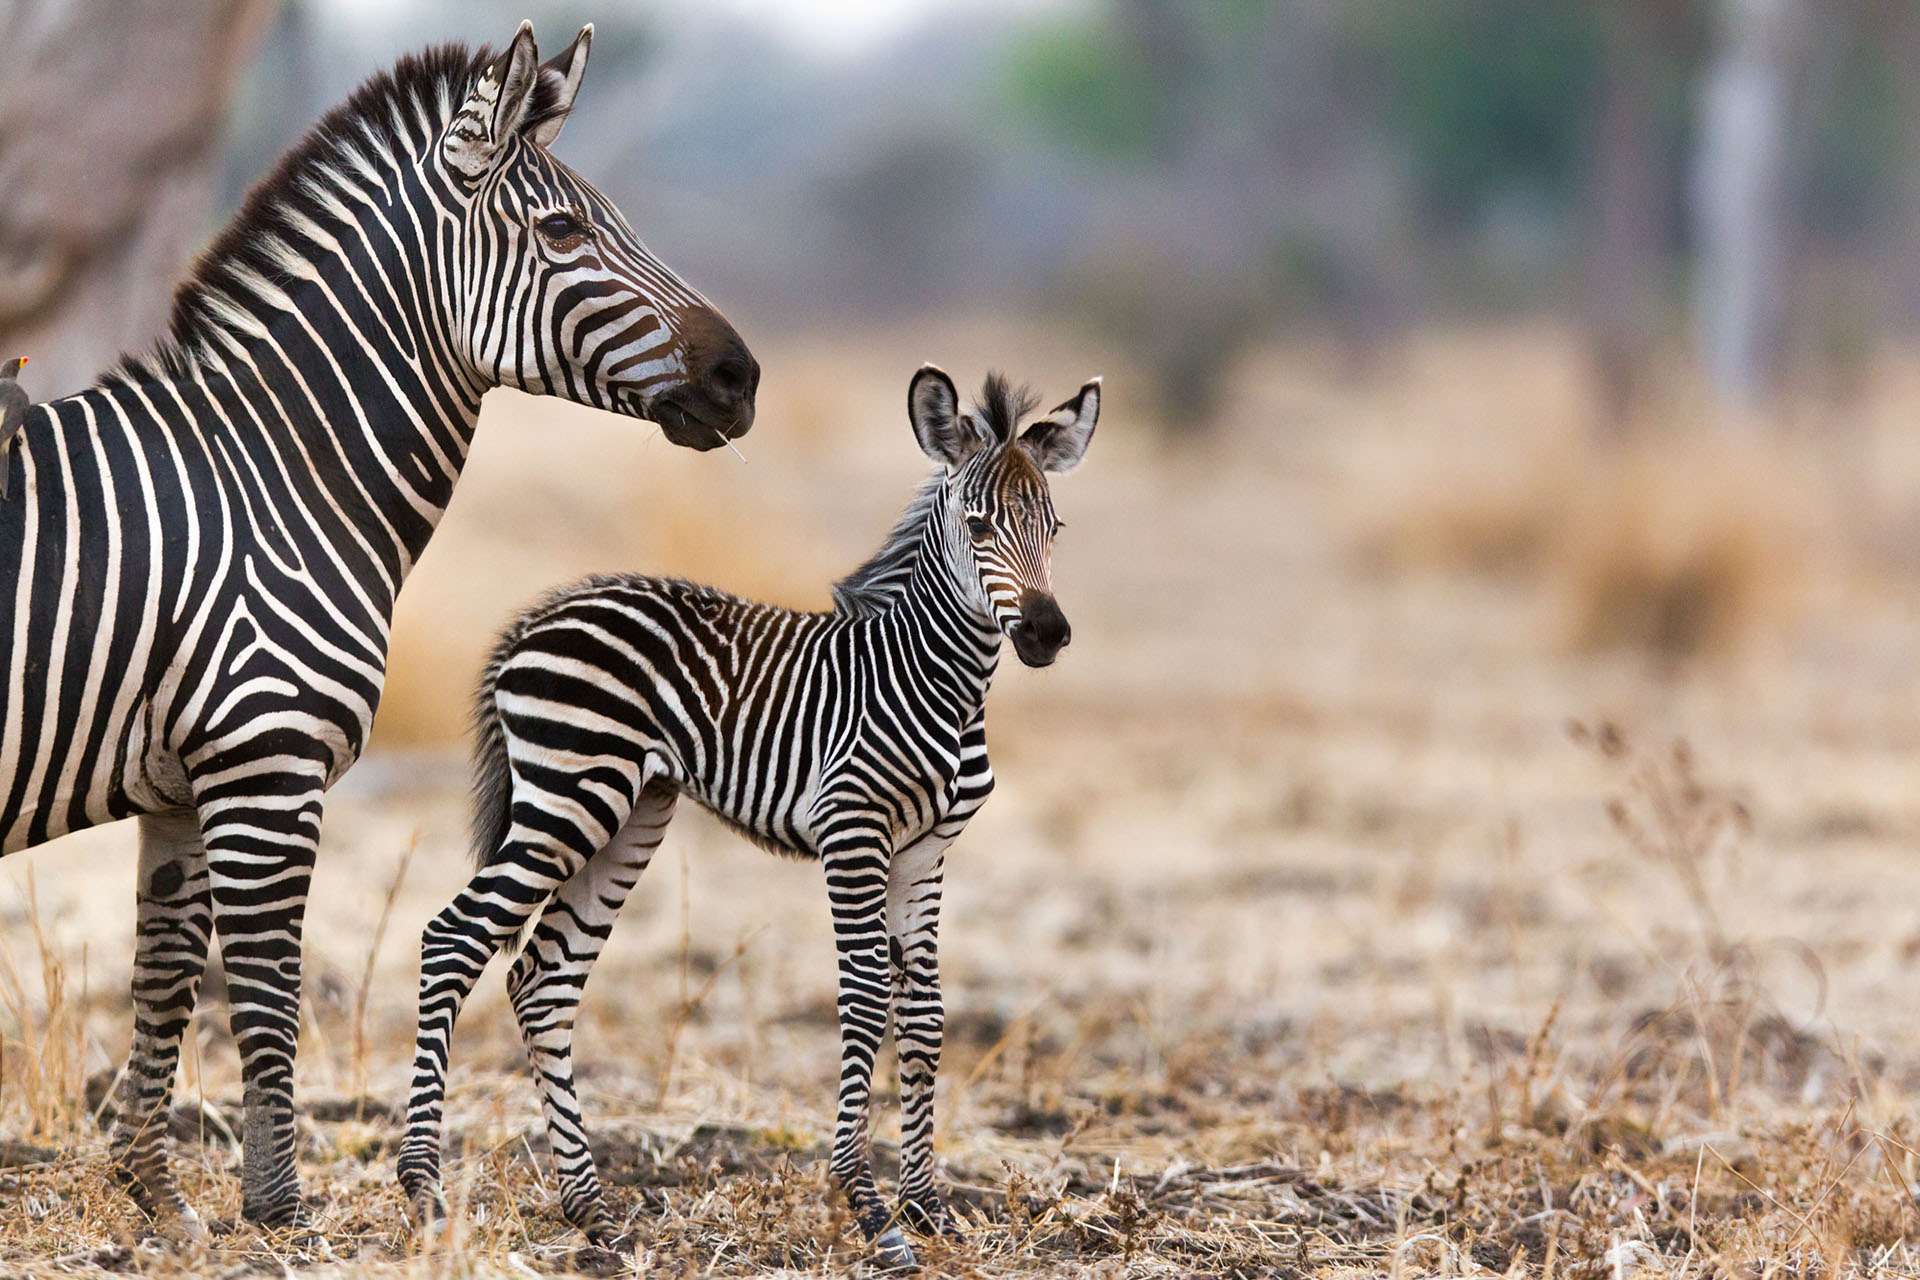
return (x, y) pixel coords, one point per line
(188, 578)
(855, 737)
(205, 548)
(764, 716)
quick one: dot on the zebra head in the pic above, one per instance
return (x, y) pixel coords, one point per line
(996, 512)
(556, 293)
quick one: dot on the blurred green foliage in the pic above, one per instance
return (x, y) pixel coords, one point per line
(1124, 84)
(1489, 97)
(1087, 90)
(1471, 129)
(1857, 139)
(1485, 99)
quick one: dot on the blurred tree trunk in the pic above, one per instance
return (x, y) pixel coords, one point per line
(1740, 191)
(110, 125)
(1625, 195)
(1898, 21)
(1194, 334)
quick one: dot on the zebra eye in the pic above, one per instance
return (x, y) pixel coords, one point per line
(978, 526)
(561, 227)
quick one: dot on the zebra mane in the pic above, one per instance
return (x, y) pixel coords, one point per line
(871, 588)
(1002, 404)
(386, 118)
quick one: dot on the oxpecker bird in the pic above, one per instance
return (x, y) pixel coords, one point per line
(13, 415)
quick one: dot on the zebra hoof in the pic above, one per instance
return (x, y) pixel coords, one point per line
(292, 1214)
(930, 1217)
(428, 1208)
(181, 1226)
(187, 1227)
(604, 1255)
(891, 1252)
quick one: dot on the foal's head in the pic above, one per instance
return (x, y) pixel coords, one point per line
(995, 509)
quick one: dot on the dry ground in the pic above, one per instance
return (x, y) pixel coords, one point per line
(1347, 905)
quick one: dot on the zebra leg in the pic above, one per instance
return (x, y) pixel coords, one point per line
(260, 818)
(545, 985)
(457, 944)
(171, 932)
(919, 1021)
(855, 854)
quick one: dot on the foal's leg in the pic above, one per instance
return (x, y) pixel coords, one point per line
(171, 933)
(919, 1020)
(552, 836)
(855, 851)
(546, 982)
(913, 918)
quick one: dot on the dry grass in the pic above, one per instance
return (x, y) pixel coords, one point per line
(1680, 548)
(1678, 540)
(1303, 936)
(1675, 546)
(1686, 1120)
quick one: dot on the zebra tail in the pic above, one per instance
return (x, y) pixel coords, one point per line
(492, 772)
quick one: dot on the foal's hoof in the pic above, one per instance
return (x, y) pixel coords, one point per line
(604, 1254)
(930, 1218)
(428, 1209)
(188, 1227)
(891, 1252)
(181, 1226)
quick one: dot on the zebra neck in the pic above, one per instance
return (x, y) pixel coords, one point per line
(353, 360)
(944, 625)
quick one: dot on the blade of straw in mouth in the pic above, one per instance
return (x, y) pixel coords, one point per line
(725, 440)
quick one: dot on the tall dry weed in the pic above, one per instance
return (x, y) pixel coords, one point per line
(43, 1040)
(1724, 1031)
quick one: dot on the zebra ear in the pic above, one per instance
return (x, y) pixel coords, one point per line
(1058, 441)
(945, 434)
(558, 86)
(493, 112)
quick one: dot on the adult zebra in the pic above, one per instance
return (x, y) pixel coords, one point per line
(856, 737)
(207, 545)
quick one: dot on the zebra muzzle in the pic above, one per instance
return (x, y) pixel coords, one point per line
(1042, 631)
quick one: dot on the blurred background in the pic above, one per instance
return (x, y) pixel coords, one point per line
(1501, 394)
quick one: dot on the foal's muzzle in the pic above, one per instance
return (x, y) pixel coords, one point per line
(1042, 631)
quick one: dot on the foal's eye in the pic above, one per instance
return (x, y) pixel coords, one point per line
(978, 526)
(561, 227)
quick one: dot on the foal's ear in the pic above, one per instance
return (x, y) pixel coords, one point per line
(946, 435)
(495, 108)
(1058, 441)
(552, 99)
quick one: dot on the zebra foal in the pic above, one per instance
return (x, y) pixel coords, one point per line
(855, 737)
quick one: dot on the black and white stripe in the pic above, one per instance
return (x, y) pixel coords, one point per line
(205, 547)
(855, 737)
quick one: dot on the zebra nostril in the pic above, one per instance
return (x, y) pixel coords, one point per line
(736, 376)
(1049, 631)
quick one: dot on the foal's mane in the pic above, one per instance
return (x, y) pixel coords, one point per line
(393, 114)
(872, 588)
(869, 589)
